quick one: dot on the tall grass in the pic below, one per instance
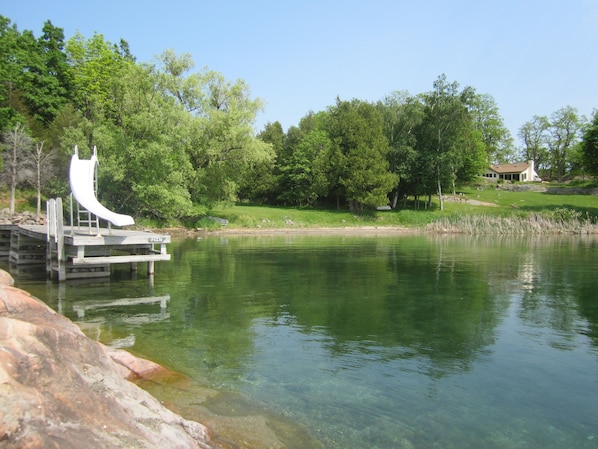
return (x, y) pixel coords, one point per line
(559, 221)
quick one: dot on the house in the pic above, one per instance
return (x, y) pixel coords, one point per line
(519, 171)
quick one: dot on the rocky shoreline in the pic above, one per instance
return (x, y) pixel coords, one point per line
(58, 388)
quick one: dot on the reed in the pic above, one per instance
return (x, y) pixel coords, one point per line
(559, 221)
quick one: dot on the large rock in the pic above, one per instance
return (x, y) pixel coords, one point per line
(60, 389)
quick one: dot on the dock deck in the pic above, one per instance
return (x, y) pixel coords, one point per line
(73, 253)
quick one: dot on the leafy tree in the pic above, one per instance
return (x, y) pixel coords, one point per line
(402, 116)
(145, 166)
(590, 146)
(260, 180)
(450, 148)
(274, 135)
(95, 63)
(46, 75)
(12, 106)
(563, 135)
(488, 122)
(534, 135)
(360, 148)
(222, 142)
(303, 175)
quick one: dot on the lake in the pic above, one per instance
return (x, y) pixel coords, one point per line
(371, 341)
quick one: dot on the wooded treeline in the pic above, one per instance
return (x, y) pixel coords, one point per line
(172, 142)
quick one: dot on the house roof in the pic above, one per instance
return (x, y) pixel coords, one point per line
(517, 167)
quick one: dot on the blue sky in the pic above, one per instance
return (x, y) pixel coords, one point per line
(533, 57)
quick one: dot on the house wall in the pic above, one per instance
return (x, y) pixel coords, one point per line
(527, 175)
(490, 174)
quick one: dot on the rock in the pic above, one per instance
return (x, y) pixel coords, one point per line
(21, 218)
(58, 388)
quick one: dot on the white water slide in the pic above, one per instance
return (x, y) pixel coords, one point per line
(82, 178)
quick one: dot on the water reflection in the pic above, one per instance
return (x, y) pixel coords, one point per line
(380, 341)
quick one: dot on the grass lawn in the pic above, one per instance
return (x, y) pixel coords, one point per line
(508, 203)
(533, 201)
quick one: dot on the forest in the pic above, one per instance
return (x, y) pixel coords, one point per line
(174, 141)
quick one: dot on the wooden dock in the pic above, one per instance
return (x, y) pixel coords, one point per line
(70, 253)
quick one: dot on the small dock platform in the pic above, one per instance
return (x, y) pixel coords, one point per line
(71, 253)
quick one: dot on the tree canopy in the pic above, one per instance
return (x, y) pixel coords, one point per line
(590, 146)
(174, 141)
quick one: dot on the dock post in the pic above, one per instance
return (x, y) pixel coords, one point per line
(60, 249)
(55, 254)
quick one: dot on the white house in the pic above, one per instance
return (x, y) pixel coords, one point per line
(519, 171)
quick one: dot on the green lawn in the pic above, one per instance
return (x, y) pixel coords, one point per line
(518, 203)
(527, 202)
(508, 202)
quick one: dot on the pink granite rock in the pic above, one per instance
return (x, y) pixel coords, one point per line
(60, 389)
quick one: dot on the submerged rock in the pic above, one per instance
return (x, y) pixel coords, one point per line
(58, 388)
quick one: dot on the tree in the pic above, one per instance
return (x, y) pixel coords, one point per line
(95, 63)
(534, 135)
(260, 180)
(143, 156)
(222, 144)
(12, 106)
(360, 147)
(488, 122)
(590, 146)
(16, 146)
(46, 79)
(563, 135)
(41, 159)
(447, 140)
(303, 176)
(402, 116)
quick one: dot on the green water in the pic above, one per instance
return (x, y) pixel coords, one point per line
(369, 342)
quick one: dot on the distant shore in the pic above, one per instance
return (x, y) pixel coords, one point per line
(321, 230)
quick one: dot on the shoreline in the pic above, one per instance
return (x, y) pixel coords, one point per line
(61, 388)
(320, 230)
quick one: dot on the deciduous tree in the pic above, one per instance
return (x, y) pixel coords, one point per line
(563, 135)
(497, 140)
(403, 115)
(447, 140)
(590, 146)
(16, 147)
(534, 135)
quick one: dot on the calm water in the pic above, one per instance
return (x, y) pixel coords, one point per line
(368, 342)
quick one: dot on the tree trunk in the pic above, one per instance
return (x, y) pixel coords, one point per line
(13, 177)
(395, 199)
(11, 207)
(440, 191)
(39, 193)
(39, 148)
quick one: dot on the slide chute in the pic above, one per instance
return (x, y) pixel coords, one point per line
(82, 178)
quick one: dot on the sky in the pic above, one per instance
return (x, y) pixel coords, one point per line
(533, 57)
